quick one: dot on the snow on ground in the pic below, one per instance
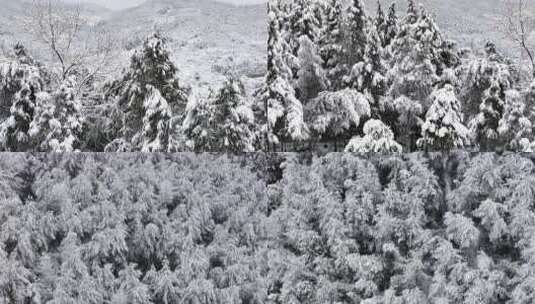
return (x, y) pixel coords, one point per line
(207, 39)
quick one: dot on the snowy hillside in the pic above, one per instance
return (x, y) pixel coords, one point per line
(10, 9)
(210, 37)
(207, 38)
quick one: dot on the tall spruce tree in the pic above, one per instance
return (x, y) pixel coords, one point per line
(311, 77)
(380, 23)
(443, 129)
(332, 47)
(357, 23)
(486, 81)
(515, 127)
(224, 122)
(413, 73)
(156, 123)
(58, 122)
(304, 20)
(368, 76)
(22, 81)
(284, 111)
(150, 69)
(391, 27)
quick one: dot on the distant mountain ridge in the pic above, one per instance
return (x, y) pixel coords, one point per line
(209, 38)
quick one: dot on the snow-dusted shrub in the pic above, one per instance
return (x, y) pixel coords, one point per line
(333, 113)
(378, 138)
(443, 128)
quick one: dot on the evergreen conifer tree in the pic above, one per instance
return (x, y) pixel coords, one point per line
(443, 129)
(413, 74)
(150, 69)
(391, 27)
(224, 123)
(311, 77)
(284, 111)
(486, 82)
(368, 76)
(332, 47)
(58, 122)
(357, 24)
(515, 126)
(156, 123)
(22, 82)
(380, 23)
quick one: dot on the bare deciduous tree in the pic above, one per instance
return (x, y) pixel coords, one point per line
(518, 24)
(77, 46)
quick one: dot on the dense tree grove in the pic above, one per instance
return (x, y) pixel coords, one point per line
(267, 228)
(409, 72)
(145, 109)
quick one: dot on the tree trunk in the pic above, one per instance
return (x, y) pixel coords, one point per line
(446, 175)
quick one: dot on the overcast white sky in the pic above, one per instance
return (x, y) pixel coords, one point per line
(118, 4)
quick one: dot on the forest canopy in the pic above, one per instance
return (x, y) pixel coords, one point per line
(267, 228)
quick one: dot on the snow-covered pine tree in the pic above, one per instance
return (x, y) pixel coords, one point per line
(74, 284)
(304, 20)
(234, 118)
(22, 81)
(485, 125)
(57, 125)
(332, 47)
(150, 69)
(311, 77)
(165, 284)
(443, 129)
(156, 122)
(368, 76)
(196, 125)
(131, 289)
(417, 46)
(284, 110)
(485, 82)
(391, 27)
(225, 123)
(378, 138)
(357, 23)
(413, 74)
(380, 23)
(515, 127)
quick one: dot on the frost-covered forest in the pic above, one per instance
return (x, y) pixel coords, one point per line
(79, 97)
(338, 77)
(389, 79)
(267, 228)
(408, 215)
(147, 108)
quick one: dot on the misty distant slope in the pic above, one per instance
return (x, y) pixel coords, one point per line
(13, 12)
(9, 10)
(470, 22)
(206, 38)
